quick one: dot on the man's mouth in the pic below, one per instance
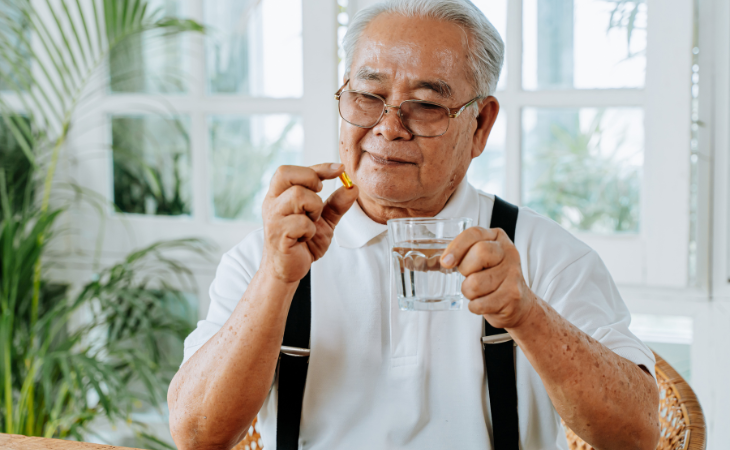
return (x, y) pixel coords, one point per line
(388, 160)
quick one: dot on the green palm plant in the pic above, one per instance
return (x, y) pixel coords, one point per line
(145, 150)
(55, 378)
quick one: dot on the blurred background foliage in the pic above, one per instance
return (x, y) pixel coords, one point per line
(72, 354)
(571, 173)
(624, 17)
(575, 182)
(151, 157)
(238, 162)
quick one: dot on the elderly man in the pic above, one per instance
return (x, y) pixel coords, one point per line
(379, 377)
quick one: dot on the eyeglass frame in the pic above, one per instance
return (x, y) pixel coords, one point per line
(449, 113)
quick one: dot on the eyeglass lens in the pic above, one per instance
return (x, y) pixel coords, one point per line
(421, 119)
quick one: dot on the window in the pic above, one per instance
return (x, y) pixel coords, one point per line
(587, 133)
(186, 131)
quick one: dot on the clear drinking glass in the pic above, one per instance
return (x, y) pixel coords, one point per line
(416, 246)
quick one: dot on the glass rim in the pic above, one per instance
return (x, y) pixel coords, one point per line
(428, 220)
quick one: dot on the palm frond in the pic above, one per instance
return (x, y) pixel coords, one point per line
(56, 378)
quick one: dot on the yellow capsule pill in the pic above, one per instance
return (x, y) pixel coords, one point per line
(346, 180)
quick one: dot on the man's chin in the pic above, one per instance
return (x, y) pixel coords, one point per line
(389, 193)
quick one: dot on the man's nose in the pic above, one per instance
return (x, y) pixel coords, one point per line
(391, 127)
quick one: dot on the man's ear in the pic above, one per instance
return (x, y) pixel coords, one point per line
(488, 110)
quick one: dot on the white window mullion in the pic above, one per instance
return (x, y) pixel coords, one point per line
(319, 120)
(715, 113)
(665, 197)
(513, 155)
(185, 104)
(582, 98)
(200, 185)
(196, 57)
(513, 145)
(198, 130)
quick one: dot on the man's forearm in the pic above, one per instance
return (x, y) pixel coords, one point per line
(609, 401)
(217, 393)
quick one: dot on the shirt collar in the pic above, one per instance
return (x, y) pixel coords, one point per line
(357, 229)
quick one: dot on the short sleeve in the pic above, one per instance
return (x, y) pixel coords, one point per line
(586, 295)
(233, 275)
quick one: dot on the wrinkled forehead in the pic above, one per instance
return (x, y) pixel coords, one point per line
(399, 52)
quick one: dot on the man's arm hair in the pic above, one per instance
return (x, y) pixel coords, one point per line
(217, 393)
(609, 401)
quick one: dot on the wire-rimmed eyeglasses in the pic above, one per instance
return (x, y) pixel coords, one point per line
(420, 117)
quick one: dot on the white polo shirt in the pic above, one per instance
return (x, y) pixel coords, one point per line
(382, 378)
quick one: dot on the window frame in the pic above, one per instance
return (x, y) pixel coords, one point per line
(651, 267)
(657, 255)
(89, 160)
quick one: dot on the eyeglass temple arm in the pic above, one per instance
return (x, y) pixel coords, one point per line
(339, 91)
(458, 110)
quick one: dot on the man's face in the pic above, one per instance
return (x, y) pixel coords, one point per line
(402, 58)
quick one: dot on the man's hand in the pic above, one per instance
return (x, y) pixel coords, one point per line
(593, 389)
(298, 225)
(494, 283)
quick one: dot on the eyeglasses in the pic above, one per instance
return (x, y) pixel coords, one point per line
(419, 117)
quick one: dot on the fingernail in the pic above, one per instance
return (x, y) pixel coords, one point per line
(447, 260)
(336, 166)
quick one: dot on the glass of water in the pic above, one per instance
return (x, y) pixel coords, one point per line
(416, 246)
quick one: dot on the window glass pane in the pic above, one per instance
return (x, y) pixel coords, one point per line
(245, 152)
(151, 156)
(254, 47)
(584, 44)
(151, 62)
(582, 167)
(669, 336)
(496, 12)
(486, 172)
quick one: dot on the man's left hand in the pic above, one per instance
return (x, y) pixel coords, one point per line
(494, 283)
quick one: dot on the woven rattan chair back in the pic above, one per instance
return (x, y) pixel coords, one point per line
(683, 424)
(252, 441)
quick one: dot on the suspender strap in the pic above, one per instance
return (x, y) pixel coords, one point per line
(499, 358)
(293, 368)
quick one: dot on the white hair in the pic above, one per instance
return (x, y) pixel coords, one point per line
(485, 49)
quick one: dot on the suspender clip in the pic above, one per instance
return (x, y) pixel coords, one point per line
(497, 339)
(294, 351)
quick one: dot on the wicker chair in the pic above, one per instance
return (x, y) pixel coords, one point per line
(683, 424)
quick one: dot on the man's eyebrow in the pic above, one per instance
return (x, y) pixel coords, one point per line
(368, 74)
(440, 87)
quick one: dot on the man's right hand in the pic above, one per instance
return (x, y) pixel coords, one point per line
(298, 225)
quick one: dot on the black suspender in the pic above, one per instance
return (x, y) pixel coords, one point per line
(293, 363)
(498, 357)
